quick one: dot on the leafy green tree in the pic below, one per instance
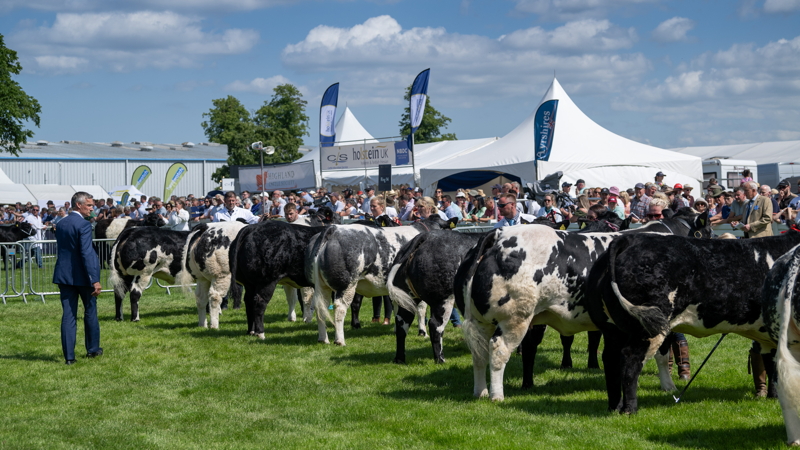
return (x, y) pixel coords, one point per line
(16, 107)
(281, 122)
(430, 129)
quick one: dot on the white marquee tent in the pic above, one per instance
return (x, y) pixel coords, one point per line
(581, 149)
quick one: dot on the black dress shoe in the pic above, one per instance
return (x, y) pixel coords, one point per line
(94, 354)
(70, 362)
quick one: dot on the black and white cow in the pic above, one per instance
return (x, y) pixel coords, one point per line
(424, 269)
(140, 254)
(781, 310)
(531, 275)
(650, 284)
(205, 259)
(350, 259)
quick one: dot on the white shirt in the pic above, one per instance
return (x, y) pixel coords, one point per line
(504, 222)
(533, 207)
(543, 213)
(224, 215)
(178, 221)
(390, 211)
(36, 223)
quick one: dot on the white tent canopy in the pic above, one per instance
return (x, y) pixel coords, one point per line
(761, 152)
(581, 149)
(4, 178)
(118, 191)
(13, 193)
(95, 190)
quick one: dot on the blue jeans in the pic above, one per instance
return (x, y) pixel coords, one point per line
(455, 317)
(31, 251)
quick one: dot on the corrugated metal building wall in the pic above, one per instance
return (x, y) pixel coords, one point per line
(66, 163)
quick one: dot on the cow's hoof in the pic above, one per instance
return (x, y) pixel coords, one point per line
(323, 341)
(793, 443)
(439, 360)
(566, 364)
(422, 334)
(307, 320)
(356, 325)
(261, 336)
(118, 319)
(594, 365)
(527, 386)
(251, 333)
(339, 343)
(627, 411)
(498, 398)
(399, 361)
(481, 394)
(291, 319)
(135, 320)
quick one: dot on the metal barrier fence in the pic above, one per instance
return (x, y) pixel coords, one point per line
(28, 268)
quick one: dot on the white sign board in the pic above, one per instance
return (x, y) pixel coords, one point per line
(282, 177)
(228, 184)
(361, 156)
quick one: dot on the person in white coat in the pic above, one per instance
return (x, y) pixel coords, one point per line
(178, 219)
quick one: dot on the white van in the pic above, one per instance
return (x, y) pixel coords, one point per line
(728, 172)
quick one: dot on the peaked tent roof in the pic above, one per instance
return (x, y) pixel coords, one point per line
(348, 128)
(760, 152)
(581, 149)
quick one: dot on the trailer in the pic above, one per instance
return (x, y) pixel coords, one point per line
(728, 172)
(773, 173)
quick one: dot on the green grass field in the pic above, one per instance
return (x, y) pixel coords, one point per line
(165, 383)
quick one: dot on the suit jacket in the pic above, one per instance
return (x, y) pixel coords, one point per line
(760, 218)
(77, 263)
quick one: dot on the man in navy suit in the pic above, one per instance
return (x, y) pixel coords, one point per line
(77, 273)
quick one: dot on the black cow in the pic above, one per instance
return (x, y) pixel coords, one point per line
(531, 275)
(111, 229)
(423, 272)
(781, 310)
(651, 284)
(13, 233)
(140, 254)
(265, 255)
(350, 259)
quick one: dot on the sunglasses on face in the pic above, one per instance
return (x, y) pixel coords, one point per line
(500, 205)
(547, 200)
(655, 216)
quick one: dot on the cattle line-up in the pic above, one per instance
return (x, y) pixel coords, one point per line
(507, 283)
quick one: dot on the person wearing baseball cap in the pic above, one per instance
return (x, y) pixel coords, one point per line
(614, 203)
(660, 178)
(639, 203)
(580, 186)
(678, 201)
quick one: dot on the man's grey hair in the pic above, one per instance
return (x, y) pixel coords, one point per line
(752, 185)
(80, 198)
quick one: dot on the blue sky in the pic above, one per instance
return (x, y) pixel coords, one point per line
(668, 73)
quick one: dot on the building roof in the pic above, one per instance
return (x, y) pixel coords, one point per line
(121, 151)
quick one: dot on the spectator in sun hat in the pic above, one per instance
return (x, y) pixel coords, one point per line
(614, 203)
(687, 193)
(660, 178)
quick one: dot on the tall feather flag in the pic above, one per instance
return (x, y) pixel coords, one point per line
(544, 127)
(327, 116)
(419, 96)
(175, 174)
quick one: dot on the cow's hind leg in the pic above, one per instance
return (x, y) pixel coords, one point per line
(306, 295)
(201, 298)
(340, 304)
(594, 345)
(529, 346)
(634, 355)
(355, 310)
(566, 355)
(219, 287)
(612, 366)
(662, 361)
(291, 299)
(402, 321)
(478, 335)
(437, 324)
(422, 308)
(119, 297)
(507, 337)
(261, 300)
(139, 285)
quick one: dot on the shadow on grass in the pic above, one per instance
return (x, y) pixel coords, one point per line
(32, 357)
(743, 438)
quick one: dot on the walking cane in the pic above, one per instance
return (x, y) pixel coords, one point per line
(678, 398)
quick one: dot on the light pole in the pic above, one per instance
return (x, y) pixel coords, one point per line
(269, 150)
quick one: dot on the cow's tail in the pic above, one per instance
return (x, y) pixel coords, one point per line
(462, 284)
(233, 257)
(788, 367)
(114, 278)
(398, 295)
(652, 319)
(185, 277)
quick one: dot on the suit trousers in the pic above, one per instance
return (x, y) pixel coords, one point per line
(69, 326)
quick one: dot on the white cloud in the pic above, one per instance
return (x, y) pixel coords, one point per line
(127, 41)
(673, 30)
(257, 85)
(573, 9)
(375, 55)
(781, 6)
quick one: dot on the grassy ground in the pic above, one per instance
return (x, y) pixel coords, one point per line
(164, 383)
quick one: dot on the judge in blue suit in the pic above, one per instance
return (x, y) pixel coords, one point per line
(77, 273)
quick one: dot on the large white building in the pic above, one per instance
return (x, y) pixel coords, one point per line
(112, 164)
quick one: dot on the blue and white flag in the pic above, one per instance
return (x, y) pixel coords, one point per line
(327, 116)
(419, 96)
(544, 127)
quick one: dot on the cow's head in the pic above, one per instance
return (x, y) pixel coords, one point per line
(434, 222)
(152, 220)
(606, 222)
(25, 228)
(699, 225)
(327, 216)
